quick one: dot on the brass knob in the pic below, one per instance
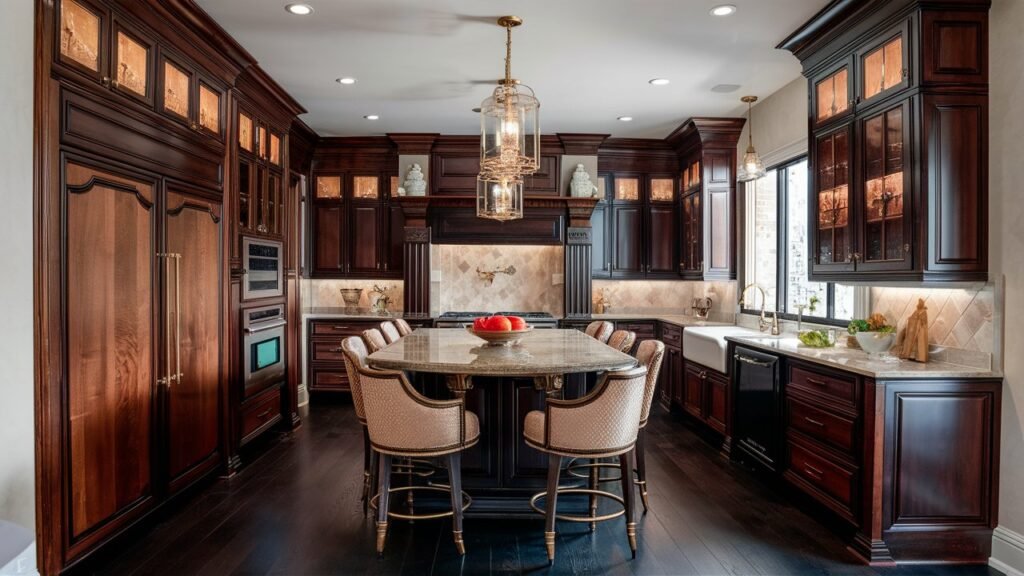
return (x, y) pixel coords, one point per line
(106, 80)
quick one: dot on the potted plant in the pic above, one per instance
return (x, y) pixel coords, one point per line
(874, 335)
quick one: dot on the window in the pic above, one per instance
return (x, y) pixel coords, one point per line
(776, 250)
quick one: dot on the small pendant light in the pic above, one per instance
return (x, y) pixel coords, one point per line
(752, 168)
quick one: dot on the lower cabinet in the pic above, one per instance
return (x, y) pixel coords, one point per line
(325, 363)
(706, 396)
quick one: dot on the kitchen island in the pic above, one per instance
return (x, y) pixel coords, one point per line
(501, 385)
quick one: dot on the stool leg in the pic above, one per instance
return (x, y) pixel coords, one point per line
(626, 465)
(641, 467)
(374, 476)
(554, 470)
(367, 463)
(455, 480)
(595, 474)
(384, 489)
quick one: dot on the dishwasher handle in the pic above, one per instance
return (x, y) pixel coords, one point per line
(752, 361)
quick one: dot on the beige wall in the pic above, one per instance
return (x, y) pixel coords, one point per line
(17, 463)
(780, 124)
(1006, 132)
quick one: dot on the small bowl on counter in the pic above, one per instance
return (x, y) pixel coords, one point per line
(351, 296)
(500, 337)
(875, 343)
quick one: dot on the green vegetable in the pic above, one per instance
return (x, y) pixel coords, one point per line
(815, 339)
(857, 326)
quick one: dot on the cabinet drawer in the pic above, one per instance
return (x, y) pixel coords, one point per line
(334, 380)
(263, 411)
(644, 330)
(328, 350)
(829, 483)
(671, 335)
(341, 327)
(823, 425)
(834, 387)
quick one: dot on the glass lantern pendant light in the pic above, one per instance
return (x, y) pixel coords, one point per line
(509, 141)
(752, 167)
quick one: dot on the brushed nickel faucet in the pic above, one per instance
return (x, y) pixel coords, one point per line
(762, 322)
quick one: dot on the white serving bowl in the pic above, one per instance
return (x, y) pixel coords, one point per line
(875, 342)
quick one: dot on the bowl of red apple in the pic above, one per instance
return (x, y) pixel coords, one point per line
(499, 330)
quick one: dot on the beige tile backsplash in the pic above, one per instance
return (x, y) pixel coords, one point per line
(325, 293)
(957, 318)
(537, 285)
(666, 296)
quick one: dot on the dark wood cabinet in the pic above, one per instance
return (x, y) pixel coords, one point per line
(260, 179)
(599, 228)
(898, 117)
(328, 237)
(640, 230)
(693, 390)
(662, 238)
(627, 241)
(365, 240)
(325, 363)
(707, 396)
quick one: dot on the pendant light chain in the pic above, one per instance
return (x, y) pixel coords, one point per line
(508, 55)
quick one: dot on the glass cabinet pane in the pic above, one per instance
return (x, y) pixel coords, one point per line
(883, 186)
(261, 142)
(273, 204)
(832, 95)
(275, 149)
(627, 188)
(661, 189)
(79, 35)
(244, 132)
(328, 187)
(132, 64)
(260, 199)
(176, 86)
(244, 192)
(883, 68)
(365, 187)
(209, 109)
(833, 195)
(393, 186)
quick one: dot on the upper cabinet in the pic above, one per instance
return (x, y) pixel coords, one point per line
(104, 46)
(260, 177)
(898, 95)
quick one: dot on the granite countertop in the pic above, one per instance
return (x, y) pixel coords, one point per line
(541, 352)
(345, 312)
(858, 361)
(681, 320)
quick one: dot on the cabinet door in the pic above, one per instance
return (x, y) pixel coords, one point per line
(601, 262)
(82, 44)
(395, 252)
(692, 261)
(194, 307)
(210, 110)
(328, 254)
(885, 225)
(132, 63)
(674, 368)
(693, 391)
(364, 250)
(662, 233)
(883, 67)
(832, 94)
(665, 380)
(717, 393)
(175, 92)
(111, 338)
(627, 241)
(245, 193)
(831, 213)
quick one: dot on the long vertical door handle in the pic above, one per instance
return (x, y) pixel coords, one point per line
(165, 380)
(177, 316)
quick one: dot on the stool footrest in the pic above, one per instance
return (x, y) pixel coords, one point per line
(466, 502)
(588, 519)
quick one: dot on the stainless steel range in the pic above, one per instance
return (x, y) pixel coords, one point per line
(463, 319)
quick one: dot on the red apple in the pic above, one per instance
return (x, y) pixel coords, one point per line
(517, 323)
(479, 323)
(498, 324)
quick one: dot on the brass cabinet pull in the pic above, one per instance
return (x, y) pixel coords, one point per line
(168, 377)
(337, 350)
(813, 421)
(177, 316)
(813, 472)
(263, 414)
(816, 382)
(340, 328)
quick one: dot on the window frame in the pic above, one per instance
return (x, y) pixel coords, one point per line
(782, 245)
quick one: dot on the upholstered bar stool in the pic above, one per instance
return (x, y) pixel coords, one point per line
(602, 424)
(390, 332)
(374, 340)
(403, 327)
(404, 424)
(599, 329)
(622, 340)
(354, 351)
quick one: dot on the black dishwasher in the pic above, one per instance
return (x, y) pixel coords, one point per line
(756, 421)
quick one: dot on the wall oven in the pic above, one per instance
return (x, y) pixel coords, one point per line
(263, 347)
(262, 269)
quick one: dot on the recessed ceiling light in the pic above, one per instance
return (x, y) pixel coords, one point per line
(659, 81)
(625, 118)
(299, 9)
(372, 117)
(725, 88)
(723, 10)
(346, 80)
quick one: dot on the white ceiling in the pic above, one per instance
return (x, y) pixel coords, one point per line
(422, 65)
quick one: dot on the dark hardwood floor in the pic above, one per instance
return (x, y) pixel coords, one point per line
(296, 511)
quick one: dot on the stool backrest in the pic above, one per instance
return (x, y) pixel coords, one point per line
(622, 340)
(389, 331)
(605, 421)
(355, 354)
(403, 327)
(650, 353)
(599, 329)
(374, 340)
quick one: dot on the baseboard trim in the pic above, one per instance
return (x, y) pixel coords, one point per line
(1007, 552)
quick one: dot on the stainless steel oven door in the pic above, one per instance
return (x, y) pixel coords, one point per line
(264, 355)
(263, 275)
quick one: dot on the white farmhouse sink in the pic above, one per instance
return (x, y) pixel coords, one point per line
(705, 345)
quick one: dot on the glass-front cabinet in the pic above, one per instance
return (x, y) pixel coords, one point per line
(832, 95)
(885, 227)
(883, 66)
(260, 177)
(831, 184)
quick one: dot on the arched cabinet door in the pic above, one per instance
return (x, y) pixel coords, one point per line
(193, 305)
(110, 317)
